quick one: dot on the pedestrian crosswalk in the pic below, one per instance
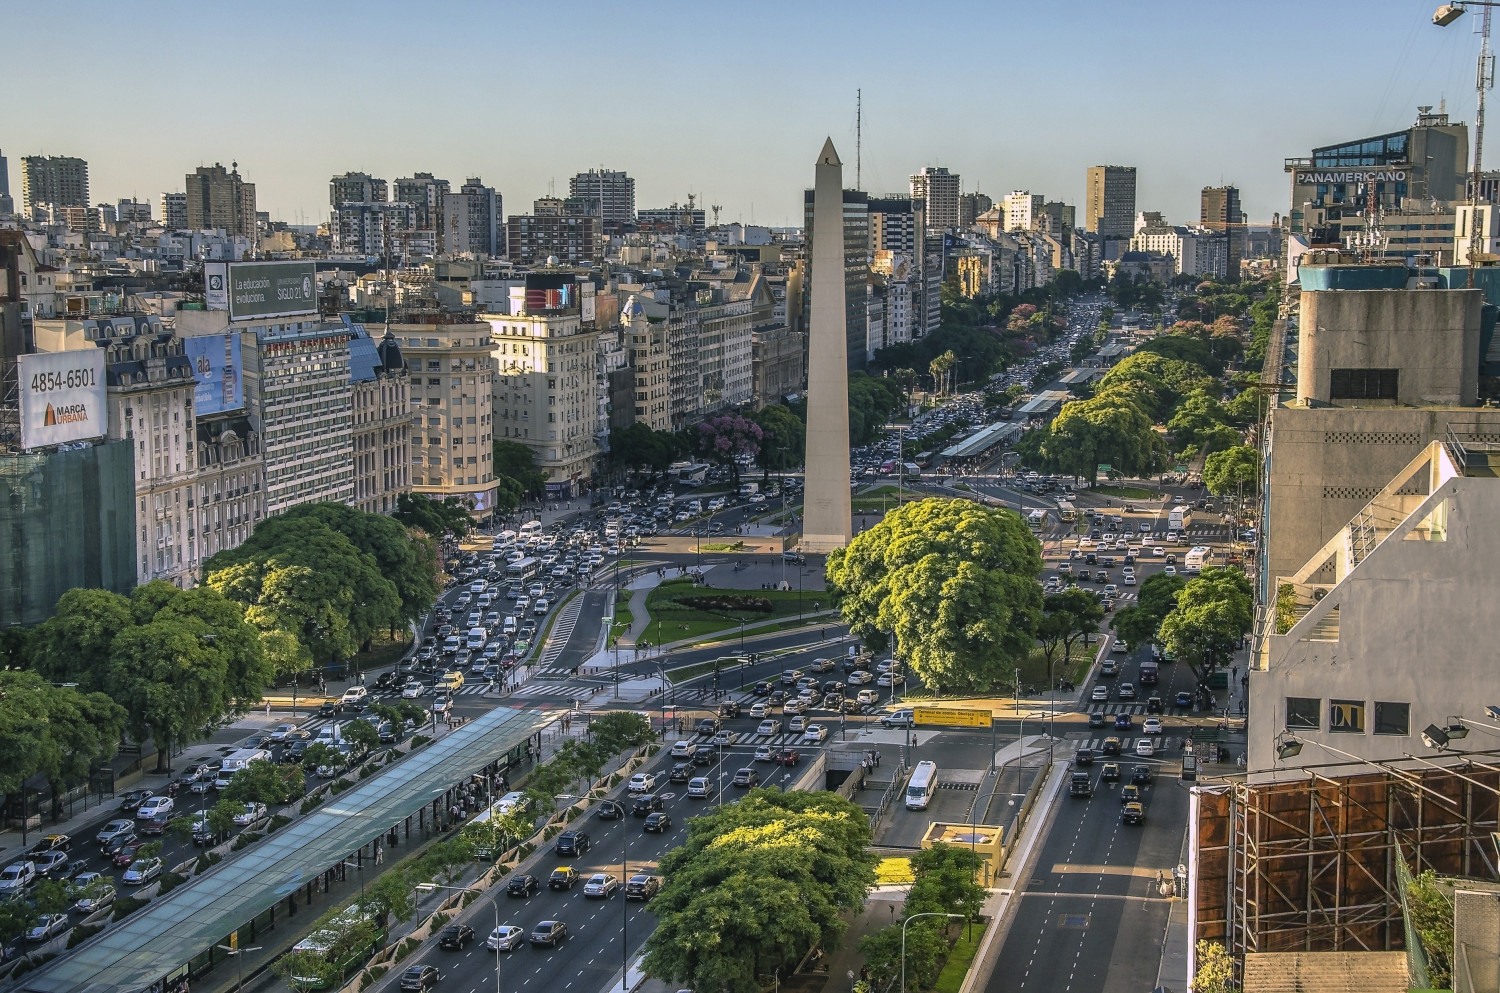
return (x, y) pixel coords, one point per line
(1128, 743)
(1111, 709)
(785, 739)
(552, 689)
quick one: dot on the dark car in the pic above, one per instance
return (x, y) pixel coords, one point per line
(1133, 813)
(156, 825)
(610, 810)
(455, 937)
(762, 689)
(658, 822)
(1109, 772)
(681, 772)
(1111, 746)
(703, 756)
(642, 886)
(130, 802)
(523, 885)
(563, 878)
(420, 978)
(548, 933)
(385, 680)
(746, 777)
(708, 726)
(571, 843)
(646, 804)
(1140, 775)
(1123, 722)
(329, 709)
(1096, 719)
(1080, 785)
(786, 756)
(127, 853)
(1084, 756)
(729, 709)
(1153, 705)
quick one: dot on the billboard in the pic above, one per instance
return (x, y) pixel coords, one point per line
(62, 397)
(951, 718)
(550, 291)
(217, 368)
(216, 285)
(266, 289)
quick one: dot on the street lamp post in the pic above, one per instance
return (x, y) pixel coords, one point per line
(429, 887)
(904, 924)
(624, 903)
(235, 953)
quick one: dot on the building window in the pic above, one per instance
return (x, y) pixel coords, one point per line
(1302, 713)
(1346, 716)
(1392, 718)
(1362, 384)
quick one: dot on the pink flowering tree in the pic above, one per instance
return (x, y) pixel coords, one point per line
(726, 438)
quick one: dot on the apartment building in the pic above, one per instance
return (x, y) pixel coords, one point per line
(174, 211)
(381, 394)
(1109, 201)
(473, 222)
(302, 397)
(219, 198)
(425, 194)
(610, 196)
(939, 190)
(544, 384)
(230, 483)
(777, 363)
(355, 187)
(374, 228)
(61, 180)
(1022, 210)
(452, 409)
(646, 345)
(555, 229)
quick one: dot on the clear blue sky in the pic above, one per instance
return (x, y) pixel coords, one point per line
(728, 100)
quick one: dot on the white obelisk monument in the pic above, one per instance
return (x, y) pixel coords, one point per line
(826, 522)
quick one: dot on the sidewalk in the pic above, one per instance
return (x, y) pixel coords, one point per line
(1173, 972)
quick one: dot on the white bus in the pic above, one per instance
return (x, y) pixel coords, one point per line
(1036, 519)
(523, 571)
(921, 786)
(1195, 558)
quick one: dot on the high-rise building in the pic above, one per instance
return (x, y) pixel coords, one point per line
(355, 187)
(1022, 209)
(544, 388)
(646, 342)
(373, 227)
(1219, 211)
(452, 430)
(174, 211)
(1056, 218)
(7, 205)
(381, 393)
(554, 228)
(610, 194)
(134, 211)
(304, 402)
(56, 179)
(938, 188)
(856, 258)
(970, 206)
(1109, 201)
(472, 221)
(219, 198)
(425, 194)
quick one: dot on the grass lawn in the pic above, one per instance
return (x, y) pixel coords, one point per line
(1125, 492)
(882, 498)
(623, 618)
(684, 623)
(1034, 669)
(960, 956)
(724, 546)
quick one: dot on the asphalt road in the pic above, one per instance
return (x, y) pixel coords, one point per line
(1089, 917)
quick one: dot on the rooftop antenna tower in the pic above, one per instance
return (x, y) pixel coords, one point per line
(859, 119)
(715, 208)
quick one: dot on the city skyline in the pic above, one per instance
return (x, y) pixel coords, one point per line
(1243, 101)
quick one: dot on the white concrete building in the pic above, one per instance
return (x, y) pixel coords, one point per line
(1022, 209)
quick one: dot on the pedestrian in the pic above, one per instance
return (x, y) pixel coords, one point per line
(877, 758)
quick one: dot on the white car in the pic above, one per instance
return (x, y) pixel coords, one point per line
(1144, 748)
(1158, 551)
(769, 727)
(886, 679)
(155, 808)
(815, 734)
(1145, 526)
(725, 737)
(791, 707)
(1152, 725)
(505, 938)
(867, 696)
(600, 886)
(1100, 694)
(280, 731)
(859, 677)
(1129, 580)
(796, 724)
(642, 782)
(413, 690)
(1170, 570)
(760, 709)
(1119, 647)
(684, 749)
(252, 813)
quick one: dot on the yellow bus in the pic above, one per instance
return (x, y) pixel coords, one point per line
(1066, 512)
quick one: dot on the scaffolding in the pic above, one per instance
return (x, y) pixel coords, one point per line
(1312, 865)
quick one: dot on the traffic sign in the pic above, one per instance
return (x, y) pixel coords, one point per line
(949, 717)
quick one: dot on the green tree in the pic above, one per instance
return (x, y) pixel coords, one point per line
(783, 442)
(320, 753)
(1232, 471)
(437, 518)
(170, 680)
(304, 971)
(756, 885)
(51, 896)
(53, 731)
(392, 895)
(1077, 614)
(265, 782)
(1157, 598)
(617, 730)
(1113, 427)
(517, 461)
(1432, 916)
(1215, 969)
(16, 918)
(952, 582)
(1213, 614)
(221, 816)
(638, 446)
(73, 645)
(286, 655)
(362, 735)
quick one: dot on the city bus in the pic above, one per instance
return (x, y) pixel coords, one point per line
(1066, 511)
(347, 942)
(922, 785)
(1036, 519)
(1195, 558)
(523, 571)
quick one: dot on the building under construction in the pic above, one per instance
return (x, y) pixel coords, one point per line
(1320, 864)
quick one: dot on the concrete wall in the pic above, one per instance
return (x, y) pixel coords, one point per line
(1431, 336)
(1406, 634)
(1328, 462)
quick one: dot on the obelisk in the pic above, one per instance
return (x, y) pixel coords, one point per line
(826, 520)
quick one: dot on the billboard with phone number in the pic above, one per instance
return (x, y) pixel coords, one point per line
(62, 397)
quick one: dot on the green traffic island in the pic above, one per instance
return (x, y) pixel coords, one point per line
(1125, 492)
(682, 611)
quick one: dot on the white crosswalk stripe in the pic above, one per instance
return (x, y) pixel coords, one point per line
(544, 689)
(562, 630)
(1127, 744)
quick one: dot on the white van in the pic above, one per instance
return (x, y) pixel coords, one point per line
(476, 637)
(749, 489)
(694, 507)
(237, 760)
(509, 627)
(921, 786)
(531, 529)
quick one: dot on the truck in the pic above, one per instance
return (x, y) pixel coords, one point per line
(237, 760)
(749, 489)
(1179, 518)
